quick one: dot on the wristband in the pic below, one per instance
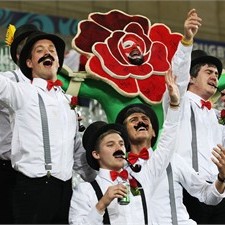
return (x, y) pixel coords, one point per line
(220, 179)
(174, 106)
(186, 43)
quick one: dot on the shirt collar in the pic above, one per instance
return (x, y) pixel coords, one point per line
(104, 173)
(195, 98)
(42, 83)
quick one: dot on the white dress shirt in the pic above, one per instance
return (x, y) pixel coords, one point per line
(7, 117)
(183, 176)
(84, 200)
(209, 131)
(27, 141)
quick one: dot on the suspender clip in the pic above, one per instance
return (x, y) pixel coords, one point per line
(48, 174)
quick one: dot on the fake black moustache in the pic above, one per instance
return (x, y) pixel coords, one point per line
(141, 124)
(47, 56)
(118, 153)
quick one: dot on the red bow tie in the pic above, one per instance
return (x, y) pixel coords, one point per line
(123, 174)
(144, 154)
(206, 104)
(52, 84)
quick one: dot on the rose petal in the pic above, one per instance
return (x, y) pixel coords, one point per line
(159, 58)
(117, 20)
(152, 88)
(127, 87)
(88, 33)
(162, 33)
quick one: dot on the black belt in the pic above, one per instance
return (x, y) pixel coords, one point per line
(44, 179)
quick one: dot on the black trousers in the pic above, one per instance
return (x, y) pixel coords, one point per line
(7, 179)
(202, 213)
(41, 200)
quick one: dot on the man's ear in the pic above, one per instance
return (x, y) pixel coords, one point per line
(29, 63)
(192, 80)
(95, 154)
(153, 133)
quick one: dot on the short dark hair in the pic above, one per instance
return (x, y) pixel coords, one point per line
(99, 139)
(196, 68)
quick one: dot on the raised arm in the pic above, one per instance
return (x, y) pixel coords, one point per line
(182, 58)
(159, 160)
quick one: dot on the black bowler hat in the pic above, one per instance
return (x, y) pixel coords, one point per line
(34, 37)
(20, 34)
(91, 135)
(199, 56)
(140, 108)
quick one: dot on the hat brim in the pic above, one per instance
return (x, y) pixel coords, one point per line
(14, 45)
(123, 114)
(36, 36)
(208, 59)
(20, 34)
(91, 135)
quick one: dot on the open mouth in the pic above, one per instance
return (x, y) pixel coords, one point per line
(142, 129)
(135, 54)
(212, 84)
(47, 62)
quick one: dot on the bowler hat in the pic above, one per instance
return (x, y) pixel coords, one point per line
(92, 134)
(20, 34)
(140, 108)
(199, 56)
(34, 37)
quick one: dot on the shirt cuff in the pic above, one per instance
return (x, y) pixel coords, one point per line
(173, 114)
(185, 49)
(96, 216)
(216, 193)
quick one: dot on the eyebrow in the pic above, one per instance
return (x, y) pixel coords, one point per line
(211, 71)
(42, 46)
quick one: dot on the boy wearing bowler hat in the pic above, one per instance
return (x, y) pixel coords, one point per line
(199, 131)
(7, 173)
(46, 143)
(103, 151)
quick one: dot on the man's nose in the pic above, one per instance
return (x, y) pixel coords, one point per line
(140, 120)
(46, 51)
(215, 76)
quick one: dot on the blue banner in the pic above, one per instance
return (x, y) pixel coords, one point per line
(46, 23)
(213, 48)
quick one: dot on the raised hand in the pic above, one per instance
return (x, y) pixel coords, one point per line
(219, 159)
(172, 88)
(191, 25)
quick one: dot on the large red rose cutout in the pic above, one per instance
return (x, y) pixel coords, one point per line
(127, 52)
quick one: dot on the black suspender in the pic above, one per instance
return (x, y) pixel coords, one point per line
(106, 215)
(16, 76)
(99, 196)
(144, 205)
